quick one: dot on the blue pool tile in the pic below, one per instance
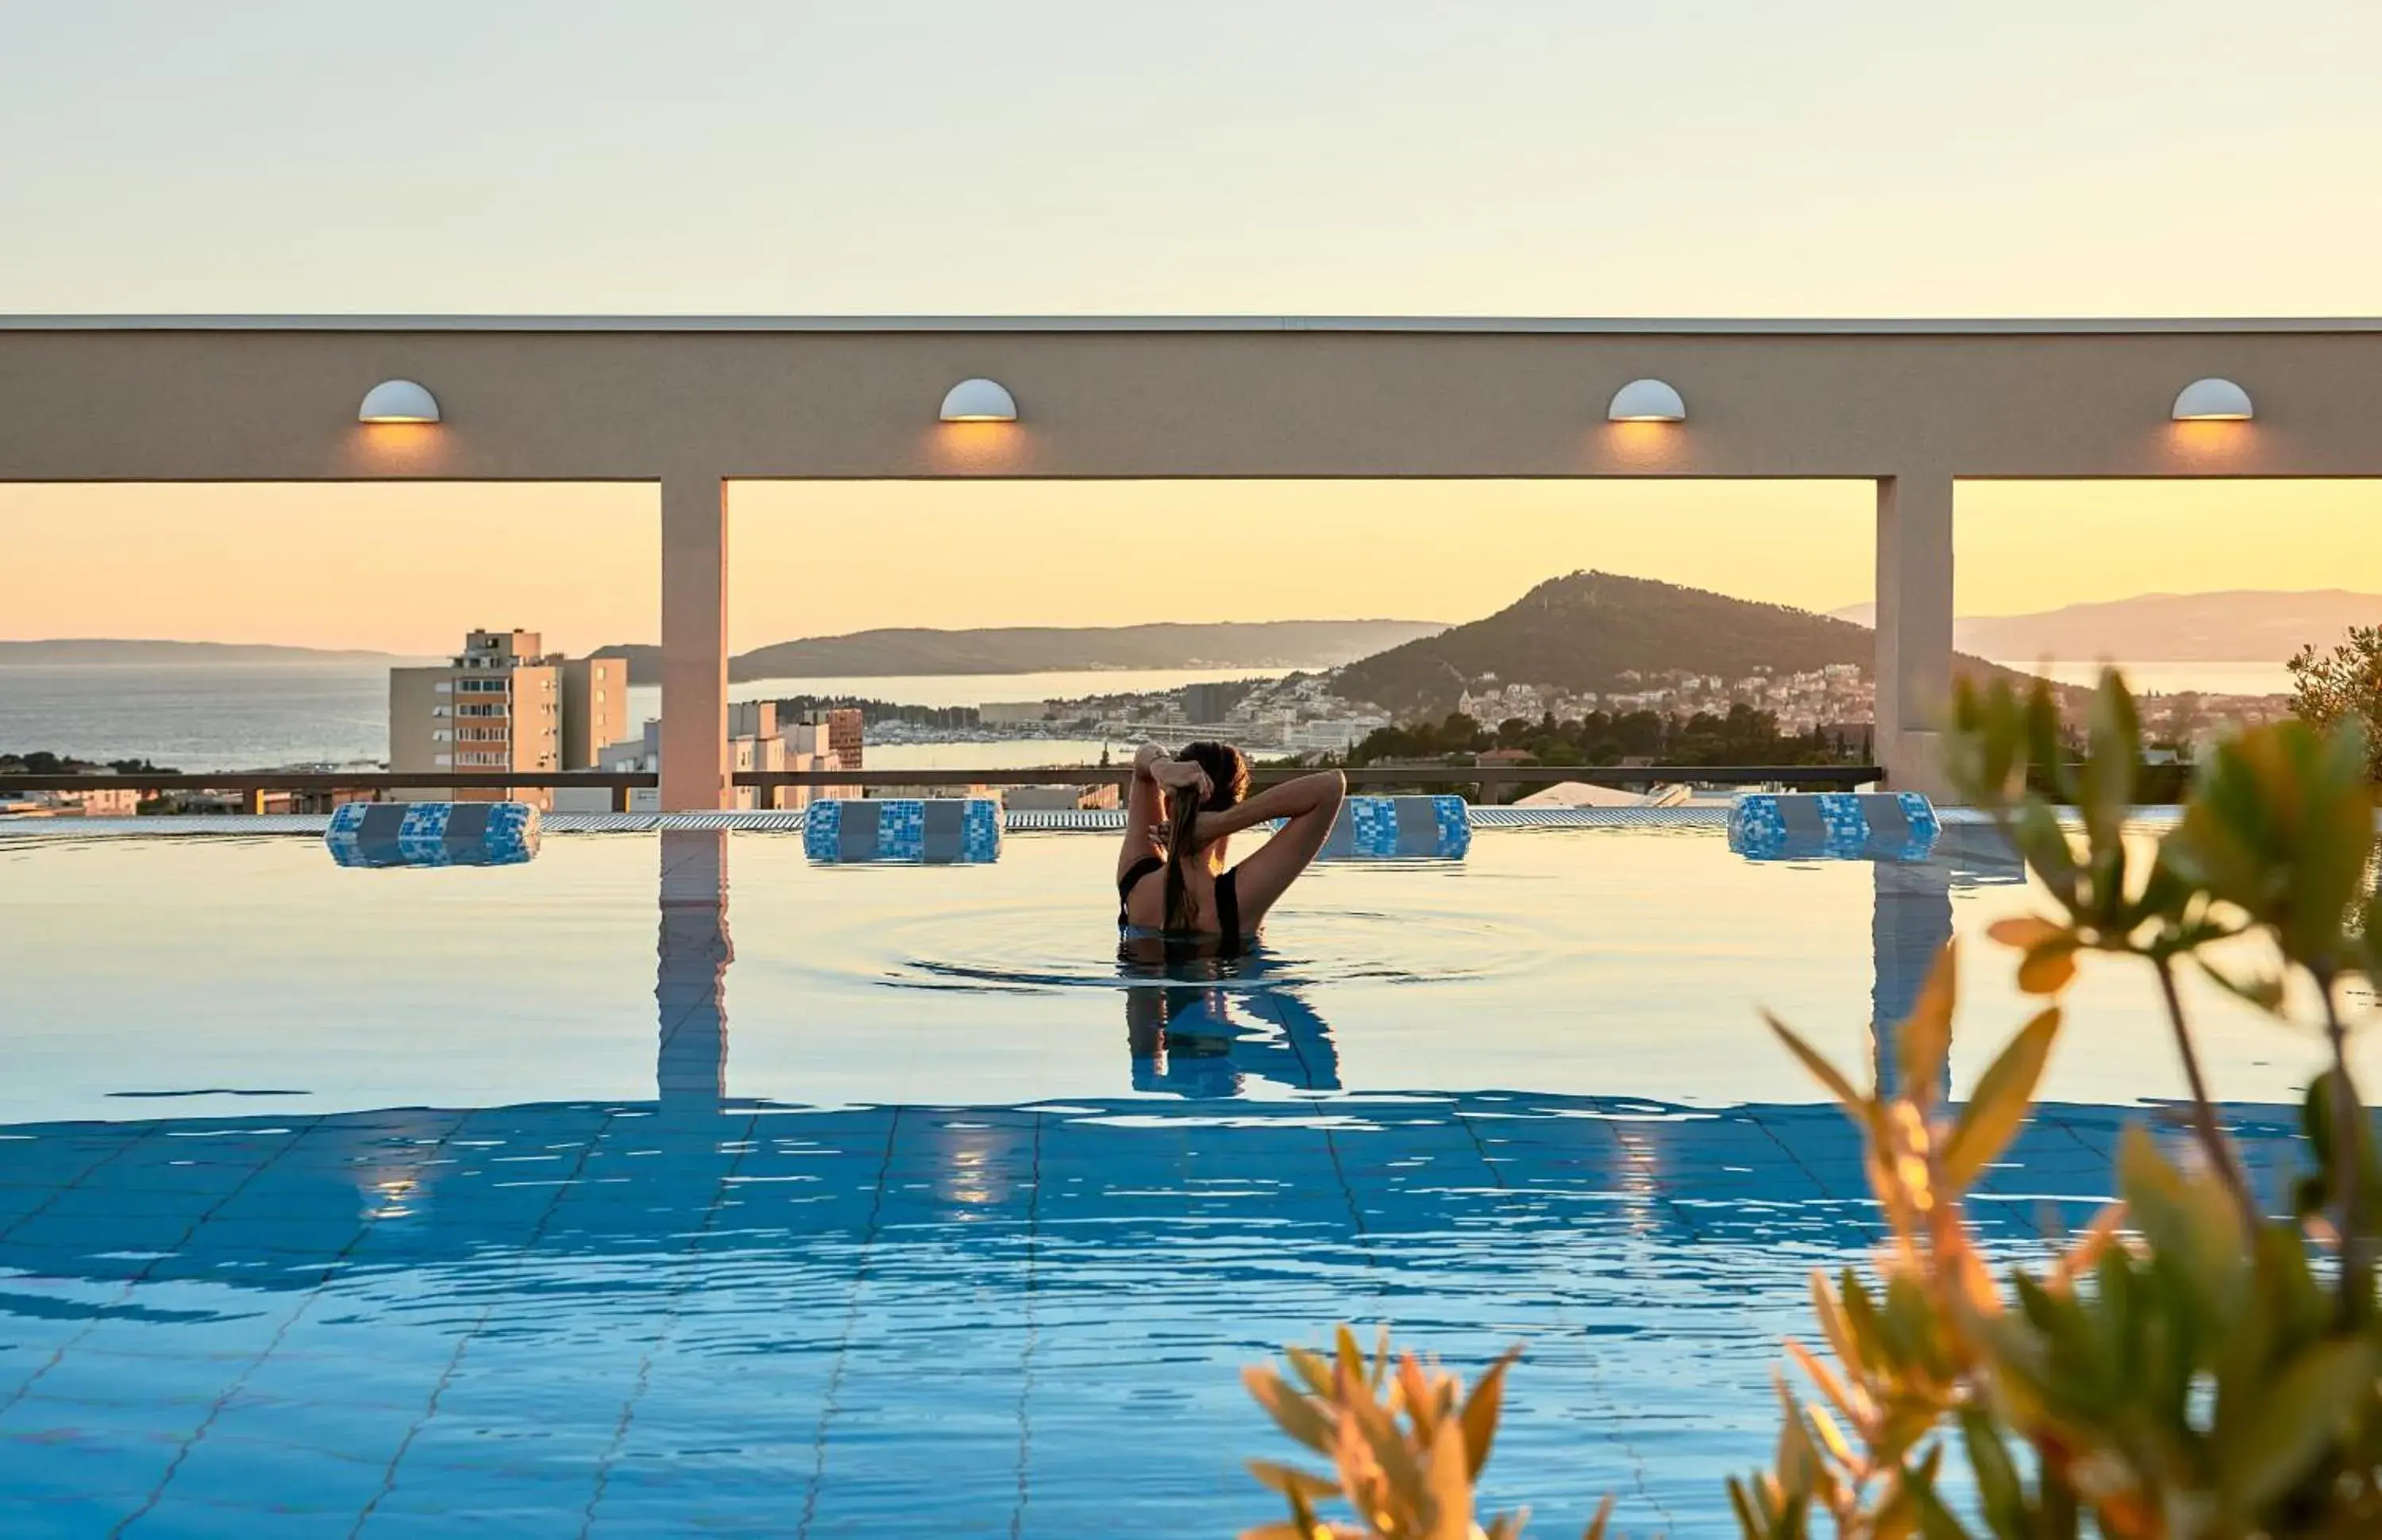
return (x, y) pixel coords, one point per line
(70, 1516)
(343, 1426)
(54, 1452)
(216, 1483)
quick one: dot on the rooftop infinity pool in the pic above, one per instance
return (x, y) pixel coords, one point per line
(671, 1184)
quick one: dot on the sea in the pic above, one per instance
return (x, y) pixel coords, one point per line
(247, 716)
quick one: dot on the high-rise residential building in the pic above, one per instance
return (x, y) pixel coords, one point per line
(843, 733)
(503, 703)
(1209, 700)
(595, 708)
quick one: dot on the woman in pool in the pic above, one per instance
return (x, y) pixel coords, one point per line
(1181, 813)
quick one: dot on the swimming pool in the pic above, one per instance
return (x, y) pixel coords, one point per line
(671, 1184)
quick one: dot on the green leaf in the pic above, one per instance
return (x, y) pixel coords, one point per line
(1999, 1104)
(1935, 1520)
(2301, 1412)
(2263, 990)
(2190, 1223)
(1998, 1492)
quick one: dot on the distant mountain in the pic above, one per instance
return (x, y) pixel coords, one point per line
(1047, 648)
(121, 650)
(1584, 631)
(2234, 625)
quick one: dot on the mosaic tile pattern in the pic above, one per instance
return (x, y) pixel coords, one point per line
(1833, 825)
(1390, 828)
(432, 834)
(692, 1316)
(904, 830)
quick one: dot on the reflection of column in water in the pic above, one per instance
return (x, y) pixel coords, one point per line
(1911, 919)
(690, 985)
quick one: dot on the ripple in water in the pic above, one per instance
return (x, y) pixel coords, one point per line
(1054, 946)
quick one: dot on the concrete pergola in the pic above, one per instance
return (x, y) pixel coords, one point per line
(693, 404)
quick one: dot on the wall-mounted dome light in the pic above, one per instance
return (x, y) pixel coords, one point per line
(1646, 402)
(2212, 401)
(979, 401)
(397, 401)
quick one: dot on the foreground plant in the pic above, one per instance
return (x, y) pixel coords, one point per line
(2188, 1365)
(1404, 1441)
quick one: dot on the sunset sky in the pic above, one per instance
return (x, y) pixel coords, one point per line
(1564, 158)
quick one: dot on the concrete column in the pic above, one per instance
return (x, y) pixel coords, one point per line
(1914, 626)
(695, 768)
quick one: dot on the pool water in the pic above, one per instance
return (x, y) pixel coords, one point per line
(671, 1184)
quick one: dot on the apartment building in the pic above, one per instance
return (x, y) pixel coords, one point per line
(503, 703)
(755, 742)
(595, 708)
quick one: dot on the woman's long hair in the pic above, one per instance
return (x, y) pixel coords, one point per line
(1228, 781)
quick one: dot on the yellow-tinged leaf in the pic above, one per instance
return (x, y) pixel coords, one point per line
(1854, 1403)
(2047, 970)
(1313, 1369)
(1925, 1039)
(1414, 1394)
(1351, 1358)
(1377, 1438)
(2025, 932)
(2084, 1253)
(1451, 1489)
(1597, 1526)
(1999, 1104)
(1292, 1412)
(1480, 1408)
(1821, 1071)
(1831, 1437)
(1288, 1480)
(1834, 1324)
(1285, 1529)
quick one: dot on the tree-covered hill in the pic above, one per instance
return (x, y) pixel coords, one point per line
(1586, 630)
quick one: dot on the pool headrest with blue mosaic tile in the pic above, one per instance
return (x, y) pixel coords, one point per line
(432, 834)
(1833, 825)
(941, 831)
(1390, 828)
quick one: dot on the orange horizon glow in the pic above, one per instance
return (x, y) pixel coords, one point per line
(406, 568)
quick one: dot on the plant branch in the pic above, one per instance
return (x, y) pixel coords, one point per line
(2347, 1153)
(2213, 1141)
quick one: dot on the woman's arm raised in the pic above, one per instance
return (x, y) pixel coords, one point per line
(1292, 798)
(1145, 808)
(1310, 803)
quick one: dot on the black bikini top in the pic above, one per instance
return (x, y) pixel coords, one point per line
(1228, 899)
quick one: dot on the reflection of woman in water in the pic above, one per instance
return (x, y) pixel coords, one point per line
(1181, 813)
(1182, 1037)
